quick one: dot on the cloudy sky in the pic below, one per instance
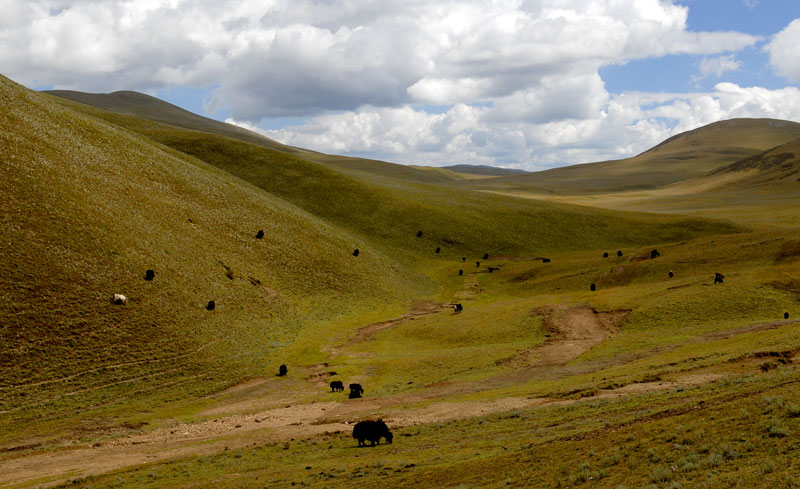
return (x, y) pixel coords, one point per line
(527, 84)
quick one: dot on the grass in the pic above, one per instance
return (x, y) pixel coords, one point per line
(675, 397)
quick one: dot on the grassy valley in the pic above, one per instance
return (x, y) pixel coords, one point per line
(629, 370)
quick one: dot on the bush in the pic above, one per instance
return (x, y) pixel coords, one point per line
(776, 429)
(661, 474)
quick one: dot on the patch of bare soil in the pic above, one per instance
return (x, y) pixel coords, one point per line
(572, 332)
(249, 414)
(271, 426)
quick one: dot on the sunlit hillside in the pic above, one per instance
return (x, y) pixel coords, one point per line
(682, 157)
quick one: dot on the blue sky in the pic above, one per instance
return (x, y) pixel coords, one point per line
(518, 83)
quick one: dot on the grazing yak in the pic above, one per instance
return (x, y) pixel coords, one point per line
(282, 371)
(355, 391)
(654, 254)
(355, 252)
(785, 315)
(260, 234)
(337, 386)
(718, 278)
(149, 275)
(593, 287)
(486, 256)
(619, 252)
(605, 254)
(438, 249)
(671, 274)
(211, 305)
(477, 263)
(492, 269)
(545, 260)
(419, 234)
(463, 259)
(372, 431)
(460, 273)
(119, 299)
(458, 308)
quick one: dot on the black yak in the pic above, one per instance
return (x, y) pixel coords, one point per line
(477, 263)
(458, 308)
(337, 386)
(419, 234)
(371, 431)
(211, 305)
(619, 252)
(486, 256)
(593, 287)
(355, 391)
(671, 274)
(282, 370)
(355, 252)
(605, 255)
(785, 315)
(654, 254)
(260, 234)
(463, 259)
(438, 249)
(149, 275)
(460, 273)
(545, 260)
(718, 278)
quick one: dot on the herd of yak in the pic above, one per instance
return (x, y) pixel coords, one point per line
(369, 430)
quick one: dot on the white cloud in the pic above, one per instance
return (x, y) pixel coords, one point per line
(784, 51)
(514, 82)
(621, 126)
(751, 4)
(303, 57)
(718, 66)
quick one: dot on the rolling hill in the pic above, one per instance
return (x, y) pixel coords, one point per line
(682, 157)
(386, 209)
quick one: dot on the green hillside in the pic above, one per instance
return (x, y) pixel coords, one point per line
(681, 157)
(389, 212)
(88, 208)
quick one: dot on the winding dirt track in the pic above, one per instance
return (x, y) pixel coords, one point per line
(572, 332)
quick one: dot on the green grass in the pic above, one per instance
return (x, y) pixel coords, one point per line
(98, 197)
(91, 208)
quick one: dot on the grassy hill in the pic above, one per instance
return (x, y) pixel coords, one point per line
(388, 210)
(89, 207)
(681, 157)
(147, 107)
(761, 190)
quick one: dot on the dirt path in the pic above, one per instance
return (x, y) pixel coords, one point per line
(362, 334)
(272, 426)
(572, 332)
